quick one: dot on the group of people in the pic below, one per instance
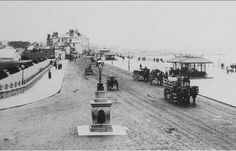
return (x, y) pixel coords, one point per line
(158, 60)
(229, 68)
(142, 58)
(154, 59)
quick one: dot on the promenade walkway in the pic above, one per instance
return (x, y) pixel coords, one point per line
(220, 88)
(44, 88)
(154, 124)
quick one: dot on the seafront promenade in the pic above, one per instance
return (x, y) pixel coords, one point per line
(44, 88)
(218, 86)
(153, 123)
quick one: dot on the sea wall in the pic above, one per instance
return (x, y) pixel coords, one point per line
(23, 80)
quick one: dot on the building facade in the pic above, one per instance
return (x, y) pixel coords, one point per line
(71, 42)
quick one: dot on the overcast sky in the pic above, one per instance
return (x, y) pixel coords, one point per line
(152, 25)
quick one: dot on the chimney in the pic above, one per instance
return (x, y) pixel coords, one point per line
(55, 35)
(71, 33)
(76, 31)
(49, 40)
(49, 37)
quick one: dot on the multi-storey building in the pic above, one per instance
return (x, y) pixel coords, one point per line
(72, 42)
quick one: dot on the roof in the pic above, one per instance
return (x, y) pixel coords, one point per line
(189, 60)
(8, 52)
(104, 50)
(110, 54)
(30, 47)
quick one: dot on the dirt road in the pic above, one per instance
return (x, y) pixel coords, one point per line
(153, 123)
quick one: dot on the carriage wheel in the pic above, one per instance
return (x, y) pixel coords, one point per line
(188, 100)
(181, 101)
(150, 82)
(171, 98)
(165, 94)
(194, 99)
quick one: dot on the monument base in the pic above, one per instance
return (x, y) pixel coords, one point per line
(116, 130)
(100, 128)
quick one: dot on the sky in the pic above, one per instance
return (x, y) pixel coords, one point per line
(153, 25)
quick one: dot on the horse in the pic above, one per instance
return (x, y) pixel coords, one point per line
(194, 90)
(146, 73)
(92, 60)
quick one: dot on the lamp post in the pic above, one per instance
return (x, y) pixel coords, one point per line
(22, 68)
(100, 84)
(129, 62)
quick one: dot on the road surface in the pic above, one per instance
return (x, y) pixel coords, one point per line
(153, 123)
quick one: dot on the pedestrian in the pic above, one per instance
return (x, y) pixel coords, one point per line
(227, 69)
(55, 65)
(141, 66)
(222, 65)
(161, 78)
(49, 74)
(166, 75)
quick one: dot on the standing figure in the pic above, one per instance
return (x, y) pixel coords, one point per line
(49, 74)
(146, 72)
(222, 65)
(166, 75)
(141, 66)
(55, 65)
(161, 78)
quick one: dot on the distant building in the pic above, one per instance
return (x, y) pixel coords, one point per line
(9, 54)
(103, 52)
(110, 56)
(38, 51)
(2, 45)
(71, 42)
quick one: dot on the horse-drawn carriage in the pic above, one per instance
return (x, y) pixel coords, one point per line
(142, 74)
(111, 83)
(88, 70)
(145, 74)
(156, 75)
(93, 60)
(180, 91)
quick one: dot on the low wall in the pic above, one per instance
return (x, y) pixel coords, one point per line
(13, 84)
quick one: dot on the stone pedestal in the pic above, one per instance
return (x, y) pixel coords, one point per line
(100, 124)
(100, 113)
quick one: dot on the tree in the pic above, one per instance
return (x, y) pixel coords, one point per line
(19, 44)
